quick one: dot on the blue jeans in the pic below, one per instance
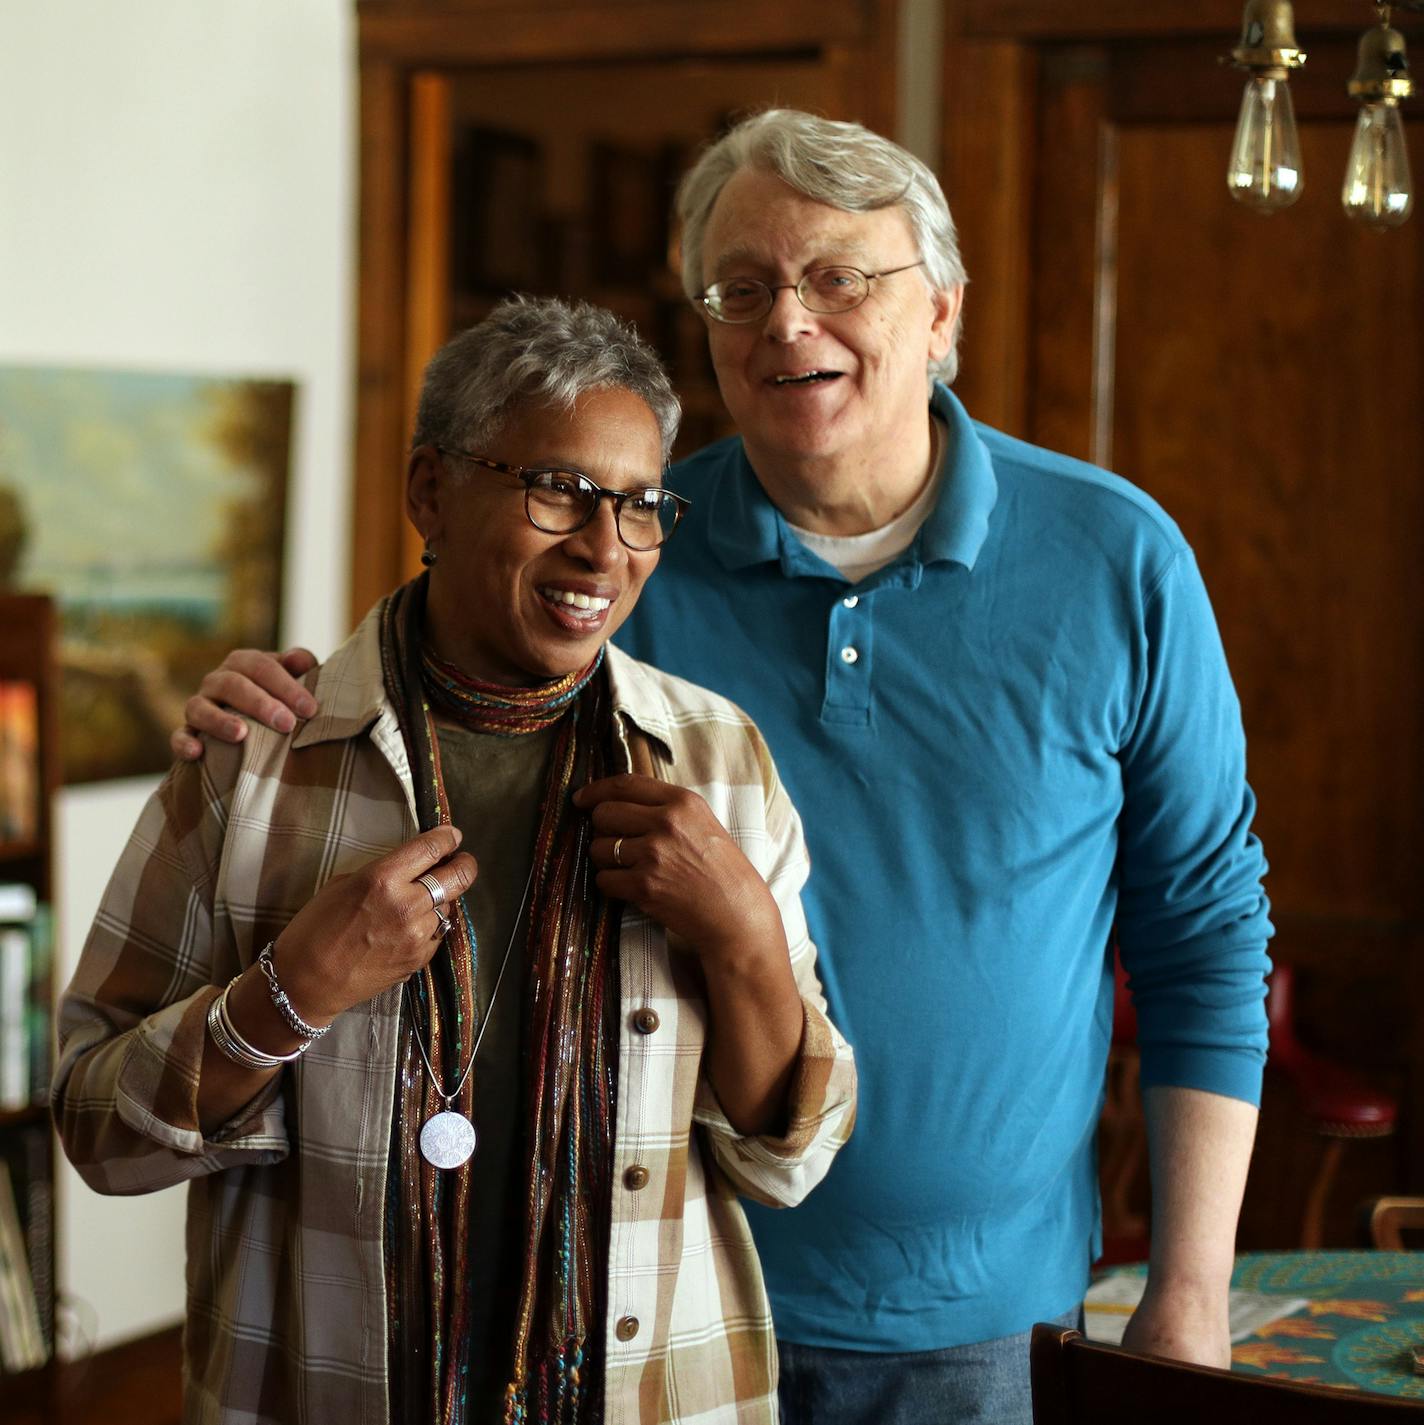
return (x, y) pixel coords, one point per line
(986, 1384)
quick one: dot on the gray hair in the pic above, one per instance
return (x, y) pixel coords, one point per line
(537, 349)
(844, 165)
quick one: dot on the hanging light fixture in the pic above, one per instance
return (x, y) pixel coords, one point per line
(1265, 169)
(1377, 190)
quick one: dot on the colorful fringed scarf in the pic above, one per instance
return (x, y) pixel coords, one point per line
(569, 1052)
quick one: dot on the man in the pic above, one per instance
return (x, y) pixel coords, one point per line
(993, 683)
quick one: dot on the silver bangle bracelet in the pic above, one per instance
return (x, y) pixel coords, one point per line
(295, 1022)
(233, 1046)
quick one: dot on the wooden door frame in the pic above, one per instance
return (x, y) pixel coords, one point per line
(408, 50)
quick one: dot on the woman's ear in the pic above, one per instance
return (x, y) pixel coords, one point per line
(423, 481)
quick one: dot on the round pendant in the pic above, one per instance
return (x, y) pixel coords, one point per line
(447, 1140)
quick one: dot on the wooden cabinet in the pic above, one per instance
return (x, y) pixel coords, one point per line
(1262, 377)
(535, 147)
(29, 772)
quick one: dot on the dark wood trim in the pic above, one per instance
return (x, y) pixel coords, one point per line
(987, 169)
(377, 515)
(1181, 81)
(1043, 20)
(504, 33)
(875, 52)
(1066, 407)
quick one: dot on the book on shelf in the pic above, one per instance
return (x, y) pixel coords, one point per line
(26, 951)
(22, 1336)
(39, 1227)
(19, 761)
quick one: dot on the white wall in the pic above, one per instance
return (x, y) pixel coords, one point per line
(176, 193)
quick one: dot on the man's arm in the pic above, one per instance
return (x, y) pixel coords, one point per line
(1199, 1146)
(262, 685)
(1192, 928)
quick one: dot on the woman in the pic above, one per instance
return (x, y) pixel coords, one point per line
(464, 1132)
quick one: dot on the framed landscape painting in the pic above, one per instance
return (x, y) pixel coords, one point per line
(153, 507)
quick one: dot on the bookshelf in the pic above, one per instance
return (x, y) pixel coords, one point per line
(29, 775)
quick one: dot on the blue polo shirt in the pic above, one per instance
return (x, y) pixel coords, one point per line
(1020, 732)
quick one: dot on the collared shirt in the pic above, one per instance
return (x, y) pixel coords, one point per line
(286, 1291)
(1019, 733)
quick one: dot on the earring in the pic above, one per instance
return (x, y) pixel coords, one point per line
(427, 555)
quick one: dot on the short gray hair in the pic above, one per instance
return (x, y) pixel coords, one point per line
(844, 165)
(537, 349)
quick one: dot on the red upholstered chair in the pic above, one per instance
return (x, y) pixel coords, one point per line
(1340, 1103)
(1122, 1138)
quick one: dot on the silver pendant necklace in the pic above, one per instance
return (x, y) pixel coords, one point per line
(448, 1138)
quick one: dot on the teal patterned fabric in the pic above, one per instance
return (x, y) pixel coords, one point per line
(1363, 1319)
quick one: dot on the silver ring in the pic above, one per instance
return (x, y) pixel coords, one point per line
(618, 851)
(437, 891)
(443, 928)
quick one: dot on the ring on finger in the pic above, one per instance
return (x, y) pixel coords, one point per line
(618, 851)
(443, 928)
(437, 891)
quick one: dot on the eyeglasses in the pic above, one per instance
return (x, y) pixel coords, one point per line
(822, 289)
(562, 501)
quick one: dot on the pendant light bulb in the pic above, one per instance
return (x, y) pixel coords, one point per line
(1265, 168)
(1377, 190)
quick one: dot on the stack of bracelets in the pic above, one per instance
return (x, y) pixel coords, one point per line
(233, 1046)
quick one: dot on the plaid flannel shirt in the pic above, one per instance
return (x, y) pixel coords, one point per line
(286, 1317)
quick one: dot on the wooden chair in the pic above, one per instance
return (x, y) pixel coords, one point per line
(1076, 1380)
(1385, 1220)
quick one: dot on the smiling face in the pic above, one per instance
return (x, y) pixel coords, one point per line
(804, 386)
(509, 603)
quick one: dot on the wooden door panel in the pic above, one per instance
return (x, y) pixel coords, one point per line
(1263, 380)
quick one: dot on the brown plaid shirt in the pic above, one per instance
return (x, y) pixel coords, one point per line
(286, 1290)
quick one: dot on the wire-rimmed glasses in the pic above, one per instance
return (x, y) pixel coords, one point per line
(822, 289)
(562, 501)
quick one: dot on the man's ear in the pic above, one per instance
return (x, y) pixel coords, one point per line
(945, 320)
(424, 486)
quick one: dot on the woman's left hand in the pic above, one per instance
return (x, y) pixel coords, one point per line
(660, 848)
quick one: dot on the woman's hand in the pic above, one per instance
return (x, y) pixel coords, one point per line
(357, 936)
(660, 848)
(262, 685)
(362, 933)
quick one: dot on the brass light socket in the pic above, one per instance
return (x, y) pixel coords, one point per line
(1268, 46)
(1382, 69)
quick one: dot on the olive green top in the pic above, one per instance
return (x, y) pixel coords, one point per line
(494, 787)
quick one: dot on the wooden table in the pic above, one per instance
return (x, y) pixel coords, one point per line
(1362, 1321)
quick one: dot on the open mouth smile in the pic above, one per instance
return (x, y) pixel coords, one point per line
(804, 378)
(579, 612)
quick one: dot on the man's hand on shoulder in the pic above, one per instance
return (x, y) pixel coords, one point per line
(261, 685)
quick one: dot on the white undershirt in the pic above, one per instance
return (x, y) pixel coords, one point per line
(859, 555)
